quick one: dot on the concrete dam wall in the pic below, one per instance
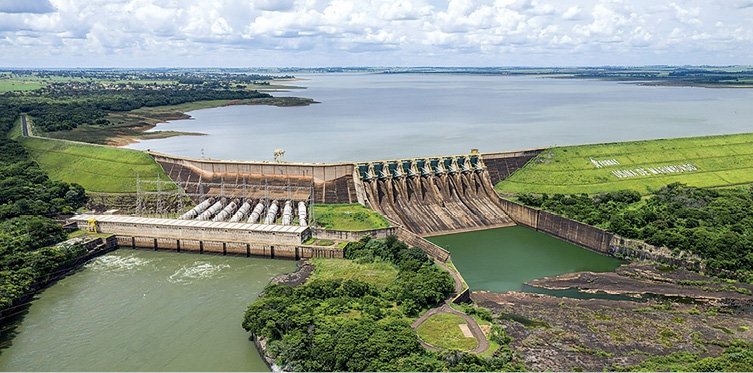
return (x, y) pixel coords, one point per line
(321, 183)
(434, 196)
(501, 165)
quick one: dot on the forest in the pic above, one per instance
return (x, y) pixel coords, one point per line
(28, 201)
(714, 224)
(351, 325)
(67, 108)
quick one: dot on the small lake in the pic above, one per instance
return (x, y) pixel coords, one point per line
(503, 259)
(386, 116)
(134, 310)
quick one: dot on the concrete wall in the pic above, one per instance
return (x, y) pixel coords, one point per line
(429, 248)
(329, 183)
(331, 234)
(502, 164)
(563, 228)
(274, 251)
(319, 171)
(593, 238)
(197, 233)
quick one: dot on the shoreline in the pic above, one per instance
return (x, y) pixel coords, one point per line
(304, 270)
(124, 140)
(134, 126)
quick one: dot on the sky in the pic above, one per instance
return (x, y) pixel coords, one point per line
(311, 33)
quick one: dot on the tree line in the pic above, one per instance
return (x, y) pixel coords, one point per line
(336, 325)
(66, 109)
(28, 201)
(715, 224)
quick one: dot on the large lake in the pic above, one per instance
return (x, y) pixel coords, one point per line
(379, 116)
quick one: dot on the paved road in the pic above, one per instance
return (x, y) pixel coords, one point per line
(455, 278)
(483, 343)
(24, 126)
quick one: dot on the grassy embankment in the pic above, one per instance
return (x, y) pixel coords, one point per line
(724, 160)
(443, 331)
(96, 168)
(348, 217)
(378, 273)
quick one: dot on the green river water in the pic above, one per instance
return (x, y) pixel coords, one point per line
(137, 310)
(134, 310)
(503, 259)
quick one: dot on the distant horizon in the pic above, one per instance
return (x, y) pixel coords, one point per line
(376, 67)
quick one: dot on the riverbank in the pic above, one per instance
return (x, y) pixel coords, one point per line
(136, 125)
(94, 246)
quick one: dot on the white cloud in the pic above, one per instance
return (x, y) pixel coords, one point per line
(26, 6)
(374, 32)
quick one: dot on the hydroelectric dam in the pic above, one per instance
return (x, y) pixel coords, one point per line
(264, 208)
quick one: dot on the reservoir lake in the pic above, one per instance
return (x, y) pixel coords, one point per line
(386, 116)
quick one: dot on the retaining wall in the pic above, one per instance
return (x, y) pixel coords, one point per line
(591, 237)
(329, 182)
(331, 234)
(502, 164)
(429, 248)
(247, 249)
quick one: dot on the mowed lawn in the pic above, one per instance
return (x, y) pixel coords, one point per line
(348, 217)
(96, 168)
(443, 331)
(378, 273)
(720, 161)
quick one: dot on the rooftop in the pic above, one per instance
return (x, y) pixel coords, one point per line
(191, 223)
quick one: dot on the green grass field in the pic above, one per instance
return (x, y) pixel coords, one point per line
(348, 217)
(378, 273)
(725, 160)
(443, 331)
(96, 168)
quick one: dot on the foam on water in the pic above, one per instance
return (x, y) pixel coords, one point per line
(198, 270)
(116, 263)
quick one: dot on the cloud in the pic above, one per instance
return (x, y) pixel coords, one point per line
(372, 32)
(26, 6)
